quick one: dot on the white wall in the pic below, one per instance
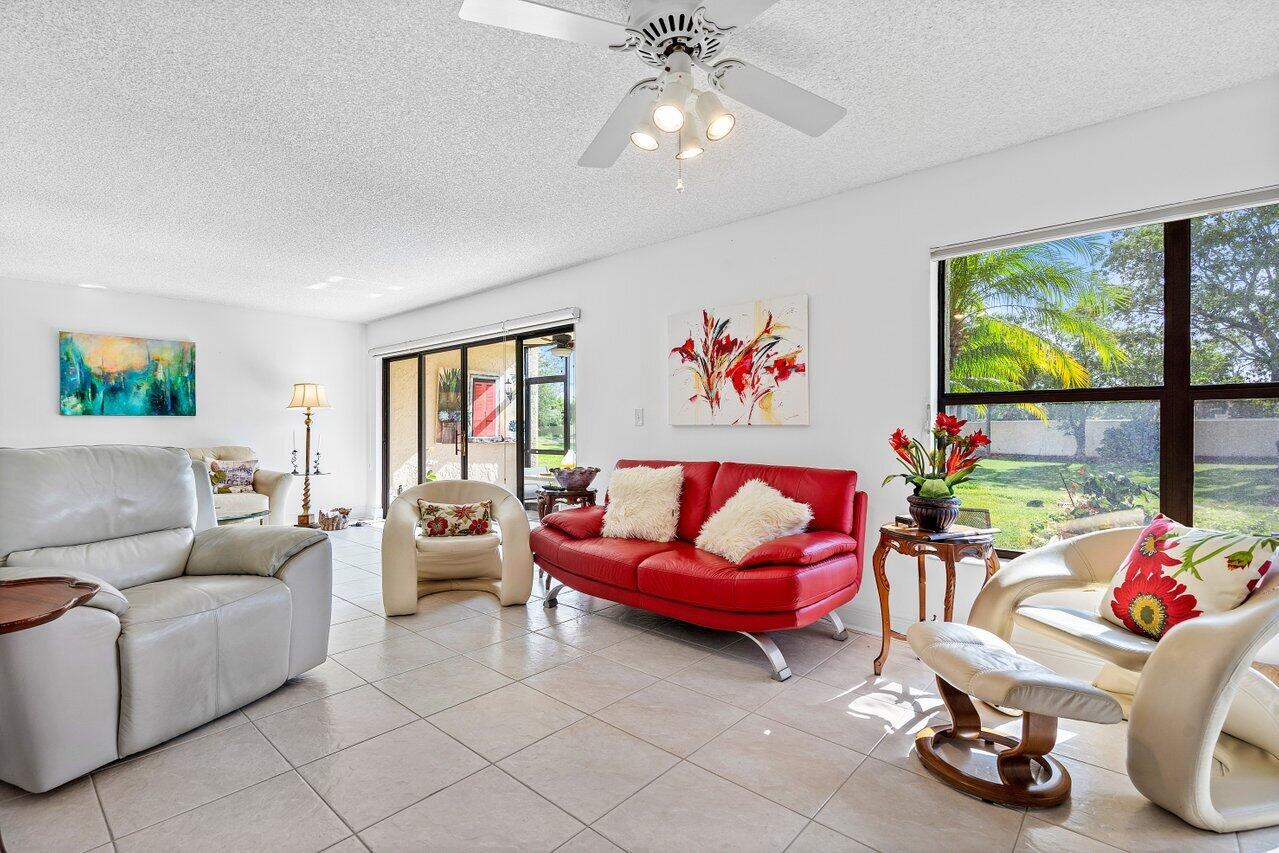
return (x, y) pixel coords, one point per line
(863, 257)
(246, 364)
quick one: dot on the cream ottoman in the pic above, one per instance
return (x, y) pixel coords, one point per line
(970, 662)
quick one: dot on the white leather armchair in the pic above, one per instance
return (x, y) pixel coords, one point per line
(1203, 732)
(192, 620)
(270, 488)
(413, 566)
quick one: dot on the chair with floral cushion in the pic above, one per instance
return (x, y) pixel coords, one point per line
(1203, 733)
(455, 534)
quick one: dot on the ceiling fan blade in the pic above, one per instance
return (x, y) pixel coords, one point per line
(614, 136)
(529, 17)
(735, 13)
(773, 96)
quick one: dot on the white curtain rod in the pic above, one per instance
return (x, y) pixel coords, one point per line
(502, 328)
(1132, 219)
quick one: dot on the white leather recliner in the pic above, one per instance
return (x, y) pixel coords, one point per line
(412, 566)
(1203, 725)
(192, 620)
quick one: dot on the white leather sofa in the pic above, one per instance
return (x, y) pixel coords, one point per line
(192, 621)
(270, 488)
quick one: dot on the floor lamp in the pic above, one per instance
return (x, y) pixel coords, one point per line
(308, 396)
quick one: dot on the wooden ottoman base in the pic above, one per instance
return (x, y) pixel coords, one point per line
(1027, 774)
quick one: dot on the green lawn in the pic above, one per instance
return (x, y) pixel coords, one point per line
(1227, 497)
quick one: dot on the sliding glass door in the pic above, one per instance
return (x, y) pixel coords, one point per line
(548, 361)
(491, 418)
(442, 429)
(500, 411)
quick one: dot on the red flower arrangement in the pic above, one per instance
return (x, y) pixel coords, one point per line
(953, 458)
(1151, 603)
(754, 368)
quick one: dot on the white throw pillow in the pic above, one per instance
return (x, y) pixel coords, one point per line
(643, 503)
(758, 513)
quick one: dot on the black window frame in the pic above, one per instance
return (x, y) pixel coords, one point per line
(1176, 396)
(561, 379)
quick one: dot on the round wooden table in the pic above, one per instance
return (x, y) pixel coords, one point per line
(911, 542)
(28, 602)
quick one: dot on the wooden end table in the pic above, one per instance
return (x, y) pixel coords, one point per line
(28, 602)
(549, 499)
(911, 542)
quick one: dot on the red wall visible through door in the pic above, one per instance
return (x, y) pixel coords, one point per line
(483, 407)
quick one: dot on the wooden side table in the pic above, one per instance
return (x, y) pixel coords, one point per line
(28, 602)
(911, 542)
(549, 499)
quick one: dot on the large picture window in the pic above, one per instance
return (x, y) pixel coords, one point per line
(1120, 374)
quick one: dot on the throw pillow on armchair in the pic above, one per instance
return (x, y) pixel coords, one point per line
(231, 478)
(440, 519)
(1175, 573)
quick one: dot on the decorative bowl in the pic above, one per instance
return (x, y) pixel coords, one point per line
(575, 479)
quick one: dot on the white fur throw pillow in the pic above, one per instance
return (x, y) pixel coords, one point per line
(758, 513)
(643, 503)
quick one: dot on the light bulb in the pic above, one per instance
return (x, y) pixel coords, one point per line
(644, 136)
(719, 121)
(690, 141)
(669, 117)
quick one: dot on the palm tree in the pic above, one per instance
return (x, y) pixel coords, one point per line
(1015, 315)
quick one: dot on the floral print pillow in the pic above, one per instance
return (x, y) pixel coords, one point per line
(1175, 573)
(232, 478)
(456, 519)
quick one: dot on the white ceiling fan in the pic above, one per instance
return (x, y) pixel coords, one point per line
(674, 36)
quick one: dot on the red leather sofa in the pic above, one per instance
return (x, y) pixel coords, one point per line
(787, 583)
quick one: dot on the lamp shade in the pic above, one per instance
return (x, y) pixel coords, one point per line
(308, 395)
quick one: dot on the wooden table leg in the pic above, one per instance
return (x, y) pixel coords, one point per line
(949, 607)
(992, 561)
(881, 583)
(923, 588)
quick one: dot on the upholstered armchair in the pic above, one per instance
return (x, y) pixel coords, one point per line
(1203, 731)
(191, 620)
(270, 488)
(413, 565)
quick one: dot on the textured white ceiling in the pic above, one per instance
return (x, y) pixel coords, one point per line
(239, 152)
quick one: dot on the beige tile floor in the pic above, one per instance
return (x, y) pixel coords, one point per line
(591, 727)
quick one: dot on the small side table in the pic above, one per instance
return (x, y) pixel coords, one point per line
(28, 602)
(910, 542)
(549, 499)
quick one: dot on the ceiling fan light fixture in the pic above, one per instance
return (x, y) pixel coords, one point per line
(690, 140)
(718, 121)
(644, 136)
(677, 87)
(668, 115)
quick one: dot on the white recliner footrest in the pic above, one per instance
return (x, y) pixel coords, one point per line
(985, 667)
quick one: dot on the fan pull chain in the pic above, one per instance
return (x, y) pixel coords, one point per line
(679, 176)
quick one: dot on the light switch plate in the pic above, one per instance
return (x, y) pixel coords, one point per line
(639, 417)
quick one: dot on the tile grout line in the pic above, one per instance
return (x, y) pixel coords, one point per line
(93, 783)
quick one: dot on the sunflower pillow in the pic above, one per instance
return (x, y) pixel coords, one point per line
(1175, 573)
(439, 519)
